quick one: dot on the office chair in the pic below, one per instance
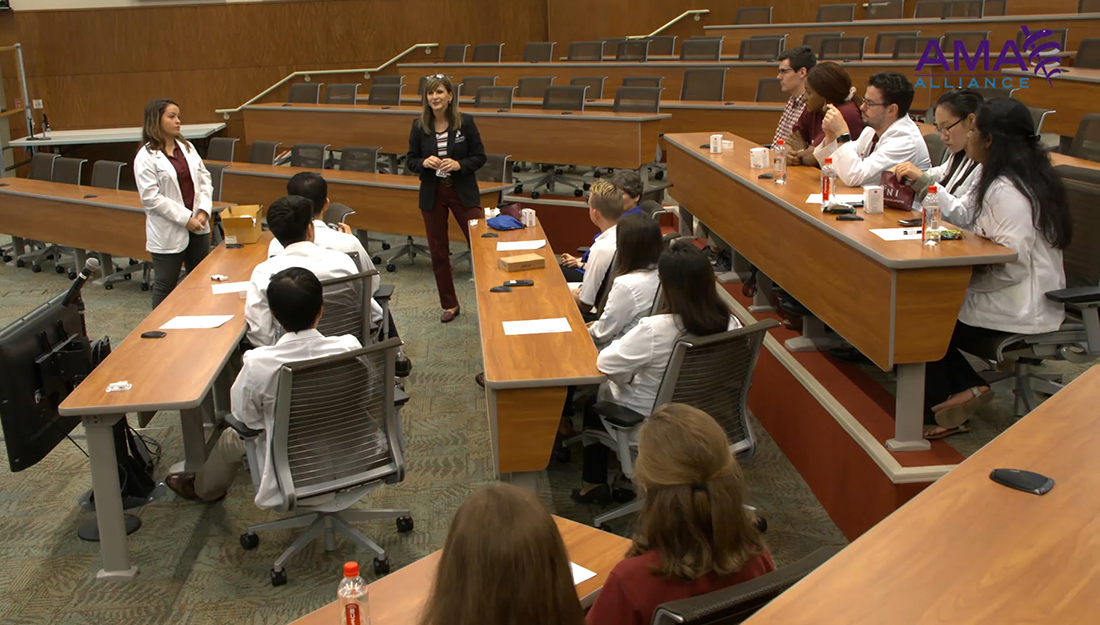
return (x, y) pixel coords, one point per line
(884, 42)
(813, 40)
(964, 8)
(761, 48)
(217, 170)
(770, 90)
(707, 84)
(533, 86)
(420, 85)
(989, 93)
(358, 158)
(538, 52)
(1088, 54)
(594, 84)
(911, 47)
(497, 168)
(843, 48)
(636, 50)
(308, 155)
(754, 15)
(736, 604)
(630, 99)
(559, 98)
(662, 45)
(65, 171)
(388, 80)
(971, 39)
(610, 44)
(1038, 116)
(711, 373)
(1088, 6)
(471, 84)
(346, 93)
(642, 81)
(709, 49)
(994, 8)
(936, 148)
(1057, 35)
(930, 9)
(336, 437)
(384, 95)
(885, 10)
(586, 51)
(487, 52)
(1086, 143)
(262, 152)
(836, 13)
(455, 53)
(494, 97)
(305, 93)
(347, 308)
(107, 174)
(42, 164)
(221, 149)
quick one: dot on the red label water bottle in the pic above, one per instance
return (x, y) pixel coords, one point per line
(352, 595)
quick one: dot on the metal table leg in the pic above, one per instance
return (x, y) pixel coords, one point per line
(108, 497)
(909, 410)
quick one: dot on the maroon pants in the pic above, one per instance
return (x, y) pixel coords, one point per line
(435, 222)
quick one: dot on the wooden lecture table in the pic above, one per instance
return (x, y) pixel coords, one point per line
(192, 132)
(526, 376)
(968, 550)
(177, 372)
(1071, 95)
(594, 138)
(897, 302)
(397, 598)
(382, 202)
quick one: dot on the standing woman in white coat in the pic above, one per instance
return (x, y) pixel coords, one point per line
(176, 191)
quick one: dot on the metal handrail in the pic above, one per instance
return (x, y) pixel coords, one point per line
(697, 14)
(427, 47)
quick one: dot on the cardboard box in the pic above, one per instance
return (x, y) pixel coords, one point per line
(243, 222)
(521, 262)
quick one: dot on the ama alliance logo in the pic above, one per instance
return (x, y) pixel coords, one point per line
(1042, 57)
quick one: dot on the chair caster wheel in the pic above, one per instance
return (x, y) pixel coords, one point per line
(7, 259)
(516, 168)
(385, 246)
(659, 175)
(761, 524)
(535, 195)
(60, 269)
(377, 260)
(250, 541)
(404, 524)
(381, 567)
(128, 276)
(144, 286)
(133, 262)
(278, 578)
(109, 286)
(559, 172)
(72, 275)
(587, 187)
(623, 495)
(20, 263)
(36, 268)
(597, 174)
(561, 454)
(391, 267)
(578, 193)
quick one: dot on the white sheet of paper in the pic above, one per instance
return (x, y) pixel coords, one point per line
(580, 573)
(574, 285)
(536, 326)
(847, 198)
(221, 288)
(511, 246)
(196, 322)
(898, 234)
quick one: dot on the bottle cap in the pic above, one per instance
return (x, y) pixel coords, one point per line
(931, 188)
(779, 142)
(351, 569)
(829, 161)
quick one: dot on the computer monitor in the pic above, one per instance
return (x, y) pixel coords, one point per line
(43, 356)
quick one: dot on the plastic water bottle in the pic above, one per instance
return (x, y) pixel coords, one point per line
(352, 595)
(930, 214)
(828, 182)
(779, 162)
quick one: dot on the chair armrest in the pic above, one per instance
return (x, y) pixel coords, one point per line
(385, 291)
(582, 250)
(241, 428)
(617, 415)
(1081, 296)
(400, 397)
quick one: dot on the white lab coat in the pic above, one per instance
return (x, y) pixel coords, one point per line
(600, 256)
(630, 299)
(165, 215)
(956, 205)
(856, 165)
(252, 397)
(1012, 297)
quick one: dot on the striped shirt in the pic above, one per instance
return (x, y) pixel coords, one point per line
(441, 144)
(795, 105)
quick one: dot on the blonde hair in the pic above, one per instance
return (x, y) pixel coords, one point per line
(454, 117)
(152, 135)
(693, 515)
(504, 563)
(607, 199)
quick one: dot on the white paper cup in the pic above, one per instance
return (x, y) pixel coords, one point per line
(872, 199)
(716, 144)
(758, 157)
(727, 145)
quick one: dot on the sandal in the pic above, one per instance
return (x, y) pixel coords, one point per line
(600, 495)
(945, 432)
(954, 416)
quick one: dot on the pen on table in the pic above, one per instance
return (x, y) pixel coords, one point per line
(907, 231)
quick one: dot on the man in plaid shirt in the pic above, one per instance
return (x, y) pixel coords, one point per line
(794, 64)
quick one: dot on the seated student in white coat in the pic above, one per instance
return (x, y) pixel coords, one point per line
(889, 137)
(636, 363)
(291, 221)
(1020, 203)
(638, 247)
(957, 175)
(605, 208)
(296, 302)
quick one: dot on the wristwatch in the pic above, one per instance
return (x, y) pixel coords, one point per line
(844, 138)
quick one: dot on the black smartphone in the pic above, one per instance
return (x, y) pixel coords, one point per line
(519, 283)
(909, 223)
(849, 218)
(1027, 481)
(233, 246)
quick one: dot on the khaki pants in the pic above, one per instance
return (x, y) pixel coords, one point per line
(221, 467)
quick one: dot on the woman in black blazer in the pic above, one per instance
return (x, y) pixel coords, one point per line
(445, 149)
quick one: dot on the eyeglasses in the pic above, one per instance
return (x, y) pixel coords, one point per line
(784, 70)
(946, 129)
(437, 77)
(870, 104)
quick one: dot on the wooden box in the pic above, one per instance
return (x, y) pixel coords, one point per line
(242, 223)
(521, 262)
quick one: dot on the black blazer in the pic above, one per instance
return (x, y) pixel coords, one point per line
(463, 145)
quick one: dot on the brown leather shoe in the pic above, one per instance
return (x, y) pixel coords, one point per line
(449, 315)
(480, 379)
(183, 484)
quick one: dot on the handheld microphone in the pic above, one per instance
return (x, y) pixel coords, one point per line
(90, 267)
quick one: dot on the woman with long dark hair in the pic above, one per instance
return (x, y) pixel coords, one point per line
(827, 83)
(637, 249)
(1020, 203)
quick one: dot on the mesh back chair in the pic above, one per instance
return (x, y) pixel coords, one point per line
(347, 308)
(711, 373)
(1088, 54)
(586, 51)
(611, 44)
(701, 49)
(487, 52)
(389, 80)
(964, 8)
(336, 437)
(1038, 115)
(1088, 6)
(497, 168)
(384, 95)
(455, 53)
(971, 39)
(262, 152)
(994, 7)
(760, 49)
(67, 170)
(843, 48)
(221, 149)
(884, 42)
(420, 85)
(642, 81)
(836, 13)
(363, 159)
(594, 84)
(538, 52)
(305, 93)
(1086, 143)
(936, 148)
(108, 174)
(636, 50)
(494, 97)
(564, 98)
(1057, 35)
(533, 86)
(638, 99)
(704, 84)
(754, 15)
(988, 93)
(346, 93)
(217, 171)
(890, 9)
(471, 84)
(310, 155)
(42, 164)
(561, 98)
(911, 47)
(813, 40)
(931, 9)
(737, 603)
(770, 90)
(662, 45)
